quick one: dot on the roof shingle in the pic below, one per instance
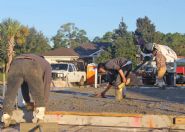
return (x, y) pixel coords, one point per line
(61, 52)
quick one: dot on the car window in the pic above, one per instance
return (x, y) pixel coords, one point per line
(70, 68)
(59, 67)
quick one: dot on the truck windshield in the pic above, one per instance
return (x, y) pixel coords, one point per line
(59, 66)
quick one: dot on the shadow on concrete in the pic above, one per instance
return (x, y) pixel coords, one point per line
(82, 94)
(73, 93)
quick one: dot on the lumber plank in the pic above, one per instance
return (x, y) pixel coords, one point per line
(180, 84)
(179, 120)
(108, 114)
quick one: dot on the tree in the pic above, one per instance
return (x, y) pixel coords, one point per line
(122, 44)
(12, 32)
(104, 56)
(159, 37)
(36, 42)
(96, 39)
(146, 28)
(176, 41)
(69, 36)
(121, 31)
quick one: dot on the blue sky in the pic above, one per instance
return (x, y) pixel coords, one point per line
(95, 16)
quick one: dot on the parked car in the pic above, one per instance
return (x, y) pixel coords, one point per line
(68, 72)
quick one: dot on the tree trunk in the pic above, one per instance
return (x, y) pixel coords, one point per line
(4, 80)
(10, 52)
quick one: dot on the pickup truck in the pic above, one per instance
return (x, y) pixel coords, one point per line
(68, 72)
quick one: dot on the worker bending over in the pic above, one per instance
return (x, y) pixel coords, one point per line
(32, 73)
(118, 70)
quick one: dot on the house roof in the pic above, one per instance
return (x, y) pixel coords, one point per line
(86, 49)
(61, 52)
(90, 48)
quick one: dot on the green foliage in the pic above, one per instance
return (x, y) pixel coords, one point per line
(122, 44)
(9, 27)
(121, 31)
(3, 50)
(176, 41)
(69, 36)
(36, 42)
(107, 38)
(12, 28)
(104, 56)
(146, 28)
(12, 33)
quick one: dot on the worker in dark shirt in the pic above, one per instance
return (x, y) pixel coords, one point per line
(35, 72)
(117, 69)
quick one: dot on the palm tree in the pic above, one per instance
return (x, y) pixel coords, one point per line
(12, 32)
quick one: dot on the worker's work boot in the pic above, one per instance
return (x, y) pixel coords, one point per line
(7, 120)
(39, 114)
(160, 83)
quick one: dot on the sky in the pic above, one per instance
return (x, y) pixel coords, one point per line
(96, 17)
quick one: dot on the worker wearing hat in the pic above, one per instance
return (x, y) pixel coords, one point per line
(163, 55)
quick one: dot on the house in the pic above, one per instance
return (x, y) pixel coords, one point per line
(61, 54)
(90, 51)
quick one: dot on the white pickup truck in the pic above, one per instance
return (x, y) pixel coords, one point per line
(68, 72)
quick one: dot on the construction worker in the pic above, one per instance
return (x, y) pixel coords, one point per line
(118, 70)
(164, 57)
(30, 71)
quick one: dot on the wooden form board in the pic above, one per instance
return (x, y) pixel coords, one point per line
(180, 84)
(108, 114)
(179, 120)
(108, 119)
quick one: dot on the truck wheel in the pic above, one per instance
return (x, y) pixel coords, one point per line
(148, 81)
(170, 79)
(81, 83)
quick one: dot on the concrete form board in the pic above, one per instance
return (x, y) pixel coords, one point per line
(144, 121)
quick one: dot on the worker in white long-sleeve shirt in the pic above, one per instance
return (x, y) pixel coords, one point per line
(164, 57)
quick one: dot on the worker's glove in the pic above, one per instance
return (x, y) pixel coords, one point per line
(39, 114)
(127, 82)
(7, 120)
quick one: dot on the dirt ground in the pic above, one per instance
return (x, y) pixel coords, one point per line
(141, 100)
(138, 100)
